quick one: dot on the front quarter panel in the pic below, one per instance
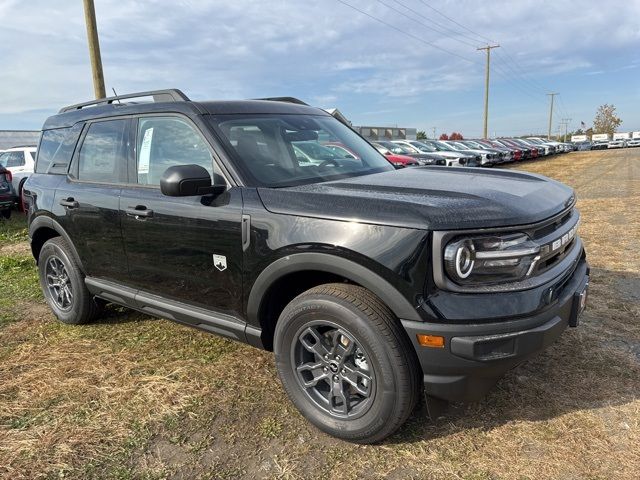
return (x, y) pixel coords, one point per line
(396, 258)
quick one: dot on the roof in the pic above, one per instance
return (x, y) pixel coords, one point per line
(222, 107)
(18, 138)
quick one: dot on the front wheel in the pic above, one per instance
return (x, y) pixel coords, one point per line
(346, 363)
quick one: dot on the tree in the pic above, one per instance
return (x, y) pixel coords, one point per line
(606, 120)
(444, 136)
(456, 136)
(421, 135)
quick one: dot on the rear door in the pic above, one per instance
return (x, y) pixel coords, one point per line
(87, 203)
(181, 249)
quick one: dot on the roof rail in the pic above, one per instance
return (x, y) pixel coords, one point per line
(168, 95)
(284, 99)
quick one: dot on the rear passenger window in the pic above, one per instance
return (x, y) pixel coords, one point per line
(102, 156)
(167, 141)
(16, 159)
(56, 148)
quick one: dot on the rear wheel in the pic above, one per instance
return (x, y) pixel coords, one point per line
(346, 363)
(63, 285)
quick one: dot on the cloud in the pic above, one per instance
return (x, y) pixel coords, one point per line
(318, 50)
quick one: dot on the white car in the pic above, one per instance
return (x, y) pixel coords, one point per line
(620, 143)
(634, 142)
(20, 161)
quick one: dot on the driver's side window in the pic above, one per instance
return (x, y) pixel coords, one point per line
(163, 142)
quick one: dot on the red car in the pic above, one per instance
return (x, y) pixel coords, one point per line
(397, 160)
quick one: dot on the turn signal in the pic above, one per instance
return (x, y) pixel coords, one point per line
(433, 341)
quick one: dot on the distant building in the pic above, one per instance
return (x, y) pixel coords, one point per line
(387, 133)
(18, 138)
(377, 133)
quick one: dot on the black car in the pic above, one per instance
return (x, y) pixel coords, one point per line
(370, 284)
(7, 200)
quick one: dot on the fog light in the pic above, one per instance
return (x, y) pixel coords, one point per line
(433, 341)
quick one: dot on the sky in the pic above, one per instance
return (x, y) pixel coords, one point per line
(410, 63)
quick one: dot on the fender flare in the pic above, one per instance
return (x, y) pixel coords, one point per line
(399, 305)
(45, 221)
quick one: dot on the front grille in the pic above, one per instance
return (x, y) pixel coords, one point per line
(557, 238)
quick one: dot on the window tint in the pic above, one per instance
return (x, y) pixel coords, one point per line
(56, 148)
(4, 158)
(102, 155)
(167, 141)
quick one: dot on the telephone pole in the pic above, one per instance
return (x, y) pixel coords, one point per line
(94, 49)
(552, 95)
(565, 122)
(434, 132)
(488, 48)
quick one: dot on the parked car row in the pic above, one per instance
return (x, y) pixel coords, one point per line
(468, 153)
(16, 164)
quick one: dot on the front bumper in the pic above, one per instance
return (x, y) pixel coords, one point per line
(6, 201)
(476, 355)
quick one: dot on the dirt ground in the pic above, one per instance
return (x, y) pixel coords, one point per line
(135, 397)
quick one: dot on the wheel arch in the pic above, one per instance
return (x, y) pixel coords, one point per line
(324, 268)
(44, 228)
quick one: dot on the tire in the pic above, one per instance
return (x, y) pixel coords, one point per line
(19, 202)
(56, 265)
(378, 369)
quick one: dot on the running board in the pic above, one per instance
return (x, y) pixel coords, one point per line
(219, 323)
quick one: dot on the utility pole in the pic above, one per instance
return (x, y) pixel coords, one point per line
(434, 132)
(94, 49)
(552, 95)
(566, 121)
(488, 48)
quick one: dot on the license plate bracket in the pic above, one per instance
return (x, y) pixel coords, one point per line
(579, 303)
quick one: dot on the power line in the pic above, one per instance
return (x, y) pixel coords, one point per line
(459, 24)
(415, 37)
(454, 32)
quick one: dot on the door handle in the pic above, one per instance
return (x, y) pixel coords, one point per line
(139, 211)
(69, 203)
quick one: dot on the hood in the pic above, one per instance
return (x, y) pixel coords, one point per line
(433, 198)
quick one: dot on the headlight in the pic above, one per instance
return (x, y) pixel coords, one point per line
(491, 259)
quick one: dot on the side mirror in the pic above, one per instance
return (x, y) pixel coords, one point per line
(190, 180)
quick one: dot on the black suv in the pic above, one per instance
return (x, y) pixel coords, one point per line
(369, 283)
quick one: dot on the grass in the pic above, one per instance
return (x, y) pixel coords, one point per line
(132, 397)
(13, 230)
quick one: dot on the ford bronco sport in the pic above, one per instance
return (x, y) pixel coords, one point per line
(370, 284)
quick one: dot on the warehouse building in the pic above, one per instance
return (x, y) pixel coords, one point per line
(387, 133)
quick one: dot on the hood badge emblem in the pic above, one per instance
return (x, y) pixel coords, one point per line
(220, 262)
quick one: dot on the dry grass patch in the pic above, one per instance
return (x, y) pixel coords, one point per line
(131, 397)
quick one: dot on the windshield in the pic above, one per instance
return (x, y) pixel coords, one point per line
(284, 150)
(423, 147)
(395, 148)
(459, 146)
(444, 146)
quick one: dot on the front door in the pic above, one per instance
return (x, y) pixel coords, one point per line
(185, 249)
